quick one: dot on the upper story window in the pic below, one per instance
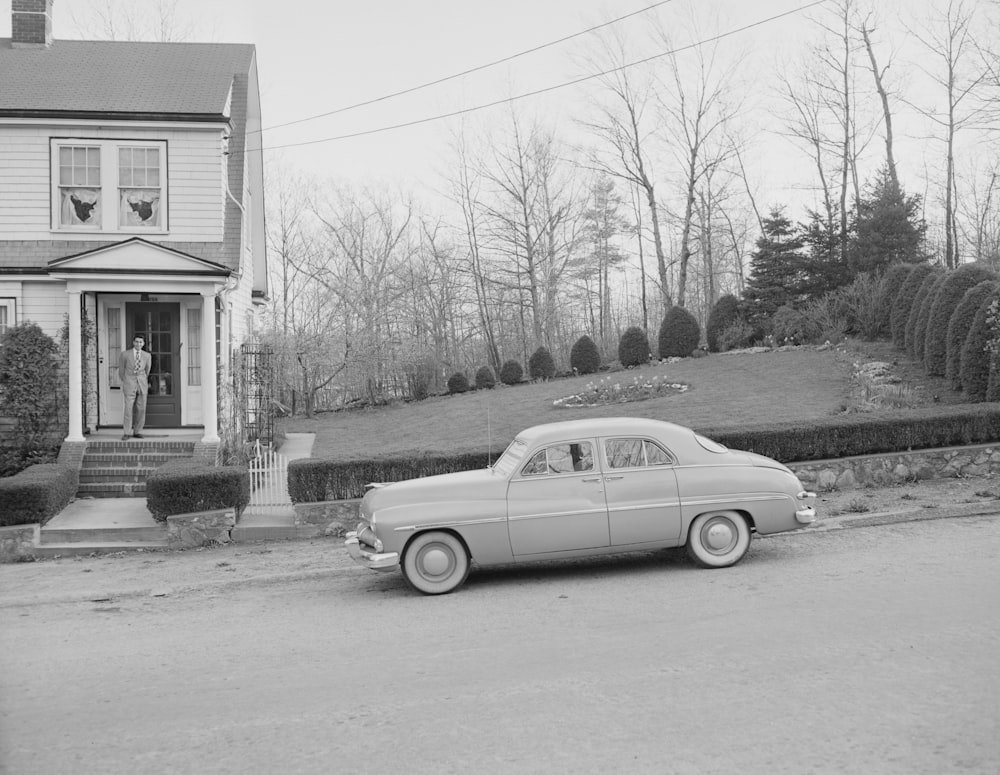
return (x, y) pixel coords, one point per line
(109, 185)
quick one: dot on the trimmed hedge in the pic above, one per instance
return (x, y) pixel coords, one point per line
(918, 314)
(192, 484)
(960, 325)
(955, 284)
(458, 383)
(37, 493)
(888, 291)
(904, 302)
(975, 360)
(312, 480)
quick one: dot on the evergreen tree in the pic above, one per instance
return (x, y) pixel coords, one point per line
(889, 289)
(887, 227)
(633, 348)
(904, 303)
(952, 290)
(777, 269)
(823, 269)
(960, 325)
(540, 364)
(974, 366)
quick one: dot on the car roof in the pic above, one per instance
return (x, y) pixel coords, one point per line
(604, 426)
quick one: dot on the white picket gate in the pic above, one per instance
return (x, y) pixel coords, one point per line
(268, 482)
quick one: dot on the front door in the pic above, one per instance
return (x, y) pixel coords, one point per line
(159, 323)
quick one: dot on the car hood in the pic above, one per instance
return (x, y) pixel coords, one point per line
(481, 484)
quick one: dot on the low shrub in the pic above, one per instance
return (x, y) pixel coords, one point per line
(37, 493)
(540, 364)
(789, 326)
(725, 313)
(485, 379)
(193, 484)
(511, 373)
(679, 334)
(458, 383)
(735, 336)
(633, 348)
(584, 356)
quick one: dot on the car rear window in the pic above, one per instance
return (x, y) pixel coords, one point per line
(711, 446)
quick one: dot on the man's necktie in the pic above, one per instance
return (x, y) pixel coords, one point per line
(136, 361)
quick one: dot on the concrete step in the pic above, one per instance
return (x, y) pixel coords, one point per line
(70, 535)
(88, 548)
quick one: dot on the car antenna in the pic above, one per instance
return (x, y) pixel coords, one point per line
(489, 437)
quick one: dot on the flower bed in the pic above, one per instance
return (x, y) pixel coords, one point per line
(605, 391)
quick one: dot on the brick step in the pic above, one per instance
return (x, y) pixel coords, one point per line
(117, 489)
(111, 460)
(118, 535)
(135, 447)
(114, 474)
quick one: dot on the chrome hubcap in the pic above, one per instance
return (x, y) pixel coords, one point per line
(719, 536)
(435, 561)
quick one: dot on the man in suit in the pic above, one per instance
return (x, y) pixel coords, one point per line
(133, 369)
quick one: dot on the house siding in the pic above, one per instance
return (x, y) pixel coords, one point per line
(195, 169)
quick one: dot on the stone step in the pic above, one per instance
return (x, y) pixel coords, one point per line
(96, 535)
(149, 459)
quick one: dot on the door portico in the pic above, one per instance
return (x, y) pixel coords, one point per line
(151, 285)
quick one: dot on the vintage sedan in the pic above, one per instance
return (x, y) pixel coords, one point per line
(578, 489)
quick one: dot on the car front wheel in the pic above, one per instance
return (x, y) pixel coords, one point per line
(719, 539)
(436, 563)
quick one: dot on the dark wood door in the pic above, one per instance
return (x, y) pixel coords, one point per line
(159, 323)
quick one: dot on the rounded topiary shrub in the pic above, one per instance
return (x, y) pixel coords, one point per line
(949, 295)
(540, 364)
(904, 303)
(458, 383)
(679, 334)
(511, 372)
(960, 325)
(918, 304)
(485, 379)
(974, 365)
(922, 323)
(633, 348)
(725, 312)
(888, 289)
(584, 357)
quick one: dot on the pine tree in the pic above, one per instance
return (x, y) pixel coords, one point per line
(777, 269)
(887, 227)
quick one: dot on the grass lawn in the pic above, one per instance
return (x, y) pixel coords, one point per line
(724, 391)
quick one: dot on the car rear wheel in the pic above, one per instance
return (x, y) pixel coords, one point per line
(719, 539)
(436, 563)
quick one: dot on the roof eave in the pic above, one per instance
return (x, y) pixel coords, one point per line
(106, 115)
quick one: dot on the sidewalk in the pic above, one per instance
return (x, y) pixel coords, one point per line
(87, 525)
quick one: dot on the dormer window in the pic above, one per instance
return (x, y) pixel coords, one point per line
(109, 186)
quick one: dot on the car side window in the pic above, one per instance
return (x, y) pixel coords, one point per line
(635, 453)
(561, 459)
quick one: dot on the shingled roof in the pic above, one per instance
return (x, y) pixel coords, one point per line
(171, 81)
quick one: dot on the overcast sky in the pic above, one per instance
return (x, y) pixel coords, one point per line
(317, 56)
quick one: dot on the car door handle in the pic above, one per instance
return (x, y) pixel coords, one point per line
(613, 478)
(595, 479)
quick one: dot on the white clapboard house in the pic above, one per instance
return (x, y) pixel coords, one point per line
(131, 202)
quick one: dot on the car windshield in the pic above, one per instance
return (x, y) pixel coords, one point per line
(511, 458)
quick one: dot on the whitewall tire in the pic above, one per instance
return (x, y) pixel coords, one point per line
(435, 563)
(718, 539)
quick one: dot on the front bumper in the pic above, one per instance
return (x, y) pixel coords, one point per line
(363, 553)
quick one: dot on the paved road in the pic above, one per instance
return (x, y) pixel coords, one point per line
(870, 650)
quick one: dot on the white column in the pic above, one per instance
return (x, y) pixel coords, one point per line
(209, 379)
(75, 369)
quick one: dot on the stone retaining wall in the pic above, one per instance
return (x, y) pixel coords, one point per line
(204, 528)
(18, 541)
(898, 467)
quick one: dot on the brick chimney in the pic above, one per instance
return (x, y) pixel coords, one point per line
(31, 23)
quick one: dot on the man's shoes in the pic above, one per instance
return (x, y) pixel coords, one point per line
(138, 436)
(125, 438)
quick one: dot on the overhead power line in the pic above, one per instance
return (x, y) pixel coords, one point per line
(471, 70)
(555, 87)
